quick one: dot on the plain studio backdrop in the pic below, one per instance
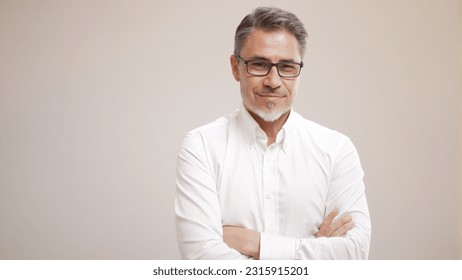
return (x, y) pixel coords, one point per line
(96, 96)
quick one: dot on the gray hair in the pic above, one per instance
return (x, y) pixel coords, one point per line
(270, 19)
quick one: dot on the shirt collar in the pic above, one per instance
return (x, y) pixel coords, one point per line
(252, 130)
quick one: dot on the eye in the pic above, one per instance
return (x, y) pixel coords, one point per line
(288, 68)
(259, 65)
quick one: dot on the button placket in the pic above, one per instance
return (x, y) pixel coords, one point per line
(270, 190)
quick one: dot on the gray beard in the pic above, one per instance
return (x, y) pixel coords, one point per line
(270, 115)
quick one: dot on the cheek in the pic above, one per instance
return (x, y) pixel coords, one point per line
(248, 86)
(292, 87)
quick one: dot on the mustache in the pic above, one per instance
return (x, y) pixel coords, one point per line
(271, 91)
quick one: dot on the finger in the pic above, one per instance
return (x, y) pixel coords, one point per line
(325, 228)
(345, 219)
(328, 231)
(343, 229)
(328, 220)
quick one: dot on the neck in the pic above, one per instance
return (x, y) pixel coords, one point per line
(271, 129)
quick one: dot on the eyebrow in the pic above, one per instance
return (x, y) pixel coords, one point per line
(256, 57)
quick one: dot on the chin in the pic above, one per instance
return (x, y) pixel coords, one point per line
(270, 115)
(269, 111)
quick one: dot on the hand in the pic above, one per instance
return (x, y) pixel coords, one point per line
(336, 228)
(245, 241)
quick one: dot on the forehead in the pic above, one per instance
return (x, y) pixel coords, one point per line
(273, 45)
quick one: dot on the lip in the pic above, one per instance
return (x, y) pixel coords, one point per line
(270, 95)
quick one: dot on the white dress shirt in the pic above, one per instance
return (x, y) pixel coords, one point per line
(227, 175)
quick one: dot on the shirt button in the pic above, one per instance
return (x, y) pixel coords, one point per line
(269, 196)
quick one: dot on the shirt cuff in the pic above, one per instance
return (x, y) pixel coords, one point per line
(274, 247)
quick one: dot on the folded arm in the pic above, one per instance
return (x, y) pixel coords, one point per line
(336, 238)
(247, 241)
(341, 238)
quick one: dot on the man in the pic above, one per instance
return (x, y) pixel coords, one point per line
(263, 182)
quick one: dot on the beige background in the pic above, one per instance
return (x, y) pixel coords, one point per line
(95, 97)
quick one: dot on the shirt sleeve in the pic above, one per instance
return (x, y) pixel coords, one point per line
(347, 193)
(197, 209)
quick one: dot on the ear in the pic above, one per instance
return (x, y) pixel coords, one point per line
(234, 67)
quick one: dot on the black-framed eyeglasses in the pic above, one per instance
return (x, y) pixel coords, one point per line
(260, 67)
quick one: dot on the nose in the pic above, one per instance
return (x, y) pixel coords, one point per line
(273, 79)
